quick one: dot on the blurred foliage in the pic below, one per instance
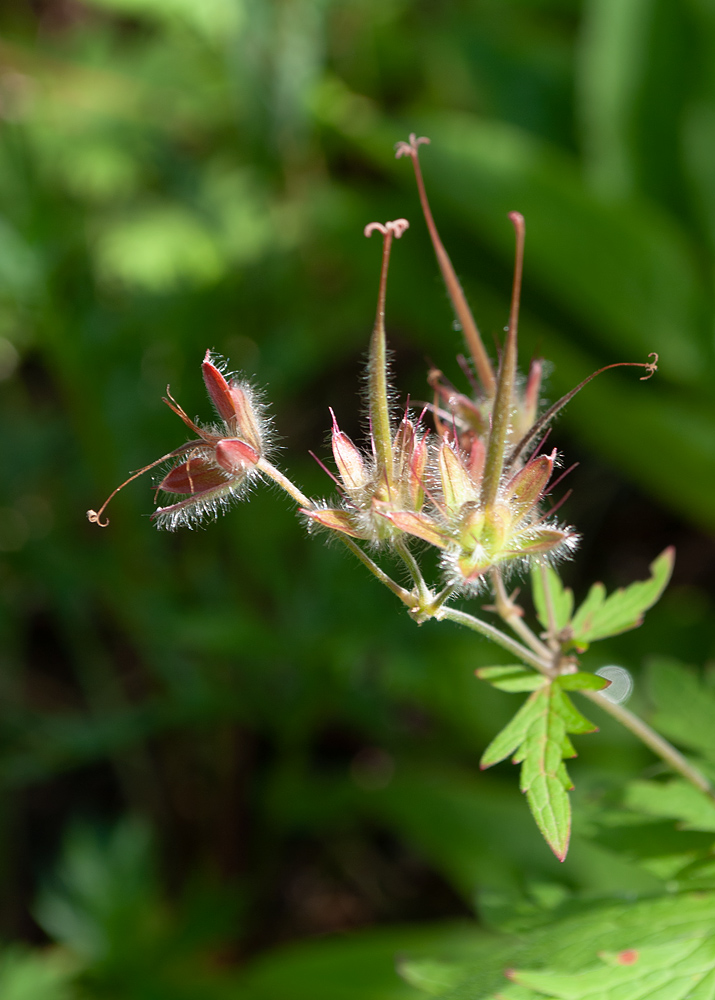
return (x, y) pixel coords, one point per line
(179, 175)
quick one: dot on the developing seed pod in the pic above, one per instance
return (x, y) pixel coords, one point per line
(218, 465)
(391, 476)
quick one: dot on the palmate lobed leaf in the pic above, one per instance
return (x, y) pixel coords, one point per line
(648, 949)
(601, 616)
(684, 968)
(537, 737)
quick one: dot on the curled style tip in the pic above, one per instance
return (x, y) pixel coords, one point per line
(410, 147)
(651, 367)
(96, 518)
(396, 228)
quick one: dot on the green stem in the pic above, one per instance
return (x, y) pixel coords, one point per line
(660, 746)
(377, 376)
(454, 289)
(284, 482)
(409, 560)
(442, 596)
(497, 636)
(511, 614)
(504, 399)
(405, 596)
(300, 498)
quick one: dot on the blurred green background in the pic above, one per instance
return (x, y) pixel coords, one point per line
(222, 742)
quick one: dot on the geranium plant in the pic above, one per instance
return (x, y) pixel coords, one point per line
(468, 477)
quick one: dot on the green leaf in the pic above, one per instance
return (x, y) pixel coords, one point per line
(595, 599)
(358, 966)
(676, 799)
(582, 682)
(600, 617)
(537, 737)
(685, 706)
(683, 968)
(431, 976)
(28, 976)
(574, 721)
(511, 678)
(548, 591)
(514, 733)
(649, 949)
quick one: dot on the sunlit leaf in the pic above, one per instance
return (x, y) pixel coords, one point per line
(600, 616)
(676, 799)
(511, 678)
(685, 705)
(213, 18)
(683, 968)
(158, 248)
(537, 736)
(582, 682)
(550, 595)
(619, 950)
(36, 976)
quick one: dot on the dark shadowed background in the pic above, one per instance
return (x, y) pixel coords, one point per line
(222, 741)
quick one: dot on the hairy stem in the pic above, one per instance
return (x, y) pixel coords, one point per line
(497, 636)
(300, 498)
(405, 596)
(512, 615)
(504, 399)
(441, 597)
(284, 482)
(377, 375)
(409, 560)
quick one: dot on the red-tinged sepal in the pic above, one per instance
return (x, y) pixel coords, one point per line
(234, 404)
(246, 422)
(348, 459)
(418, 469)
(475, 460)
(420, 525)
(218, 389)
(457, 486)
(528, 485)
(234, 455)
(541, 540)
(530, 404)
(473, 566)
(336, 520)
(403, 446)
(195, 475)
(199, 506)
